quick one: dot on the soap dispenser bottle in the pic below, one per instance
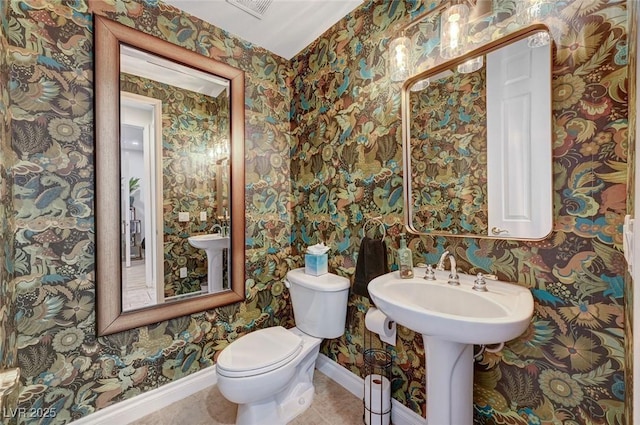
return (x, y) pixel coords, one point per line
(405, 259)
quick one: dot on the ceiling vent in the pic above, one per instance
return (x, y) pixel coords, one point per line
(255, 8)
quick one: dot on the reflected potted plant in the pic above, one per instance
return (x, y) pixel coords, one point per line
(134, 185)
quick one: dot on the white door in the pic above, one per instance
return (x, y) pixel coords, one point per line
(144, 113)
(518, 149)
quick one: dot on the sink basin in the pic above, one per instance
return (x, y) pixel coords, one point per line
(213, 244)
(451, 319)
(209, 241)
(454, 313)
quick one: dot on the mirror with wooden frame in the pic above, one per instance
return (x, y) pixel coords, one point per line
(477, 142)
(169, 180)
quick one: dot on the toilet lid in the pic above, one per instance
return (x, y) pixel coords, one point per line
(259, 352)
(327, 282)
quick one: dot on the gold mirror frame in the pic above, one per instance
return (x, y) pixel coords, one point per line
(110, 316)
(406, 123)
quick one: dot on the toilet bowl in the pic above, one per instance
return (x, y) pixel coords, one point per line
(269, 372)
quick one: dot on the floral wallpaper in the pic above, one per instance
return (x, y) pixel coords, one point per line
(8, 334)
(65, 366)
(323, 155)
(630, 304)
(192, 124)
(449, 155)
(569, 366)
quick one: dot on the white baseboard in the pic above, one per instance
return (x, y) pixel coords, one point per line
(135, 408)
(400, 414)
(341, 375)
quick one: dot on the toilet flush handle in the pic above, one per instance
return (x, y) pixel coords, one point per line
(287, 283)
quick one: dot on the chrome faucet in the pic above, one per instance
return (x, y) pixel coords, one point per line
(443, 257)
(453, 274)
(218, 227)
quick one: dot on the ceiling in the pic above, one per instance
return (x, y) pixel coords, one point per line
(286, 26)
(157, 68)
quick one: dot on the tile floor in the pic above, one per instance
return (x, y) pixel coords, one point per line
(332, 405)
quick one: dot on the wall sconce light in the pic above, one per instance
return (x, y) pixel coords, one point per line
(453, 31)
(453, 39)
(420, 85)
(471, 65)
(400, 58)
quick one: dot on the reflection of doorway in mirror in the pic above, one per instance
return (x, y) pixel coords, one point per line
(139, 200)
(136, 293)
(519, 164)
(133, 206)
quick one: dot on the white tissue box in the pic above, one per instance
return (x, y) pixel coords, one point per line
(316, 265)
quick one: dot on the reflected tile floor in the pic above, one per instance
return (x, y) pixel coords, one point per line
(332, 405)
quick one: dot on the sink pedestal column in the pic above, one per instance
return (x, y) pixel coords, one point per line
(449, 381)
(214, 258)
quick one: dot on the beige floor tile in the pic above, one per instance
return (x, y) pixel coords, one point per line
(310, 417)
(221, 410)
(332, 405)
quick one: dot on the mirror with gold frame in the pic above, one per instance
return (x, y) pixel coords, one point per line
(477, 142)
(143, 214)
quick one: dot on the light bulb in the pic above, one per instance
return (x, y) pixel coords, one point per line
(453, 24)
(400, 59)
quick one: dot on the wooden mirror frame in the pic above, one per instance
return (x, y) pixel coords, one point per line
(110, 316)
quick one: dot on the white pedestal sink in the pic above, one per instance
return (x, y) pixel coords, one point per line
(213, 244)
(451, 319)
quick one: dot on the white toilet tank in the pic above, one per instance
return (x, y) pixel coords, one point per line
(319, 302)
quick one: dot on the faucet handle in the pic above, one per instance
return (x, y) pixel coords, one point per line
(429, 274)
(480, 284)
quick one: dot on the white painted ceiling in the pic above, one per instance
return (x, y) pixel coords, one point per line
(157, 68)
(286, 27)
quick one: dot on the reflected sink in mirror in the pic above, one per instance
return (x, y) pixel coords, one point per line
(209, 241)
(214, 245)
(454, 313)
(451, 320)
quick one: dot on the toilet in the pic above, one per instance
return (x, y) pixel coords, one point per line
(269, 372)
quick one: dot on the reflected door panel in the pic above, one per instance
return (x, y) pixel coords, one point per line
(518, 128)
(140, 199)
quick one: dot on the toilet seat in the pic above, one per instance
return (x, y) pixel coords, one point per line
(258, 352)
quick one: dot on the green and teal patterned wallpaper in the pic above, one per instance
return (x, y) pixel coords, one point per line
(569, 366)
(448, 168)
(8, 334)
(323, 154)
(65, 365)
(192, 125)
